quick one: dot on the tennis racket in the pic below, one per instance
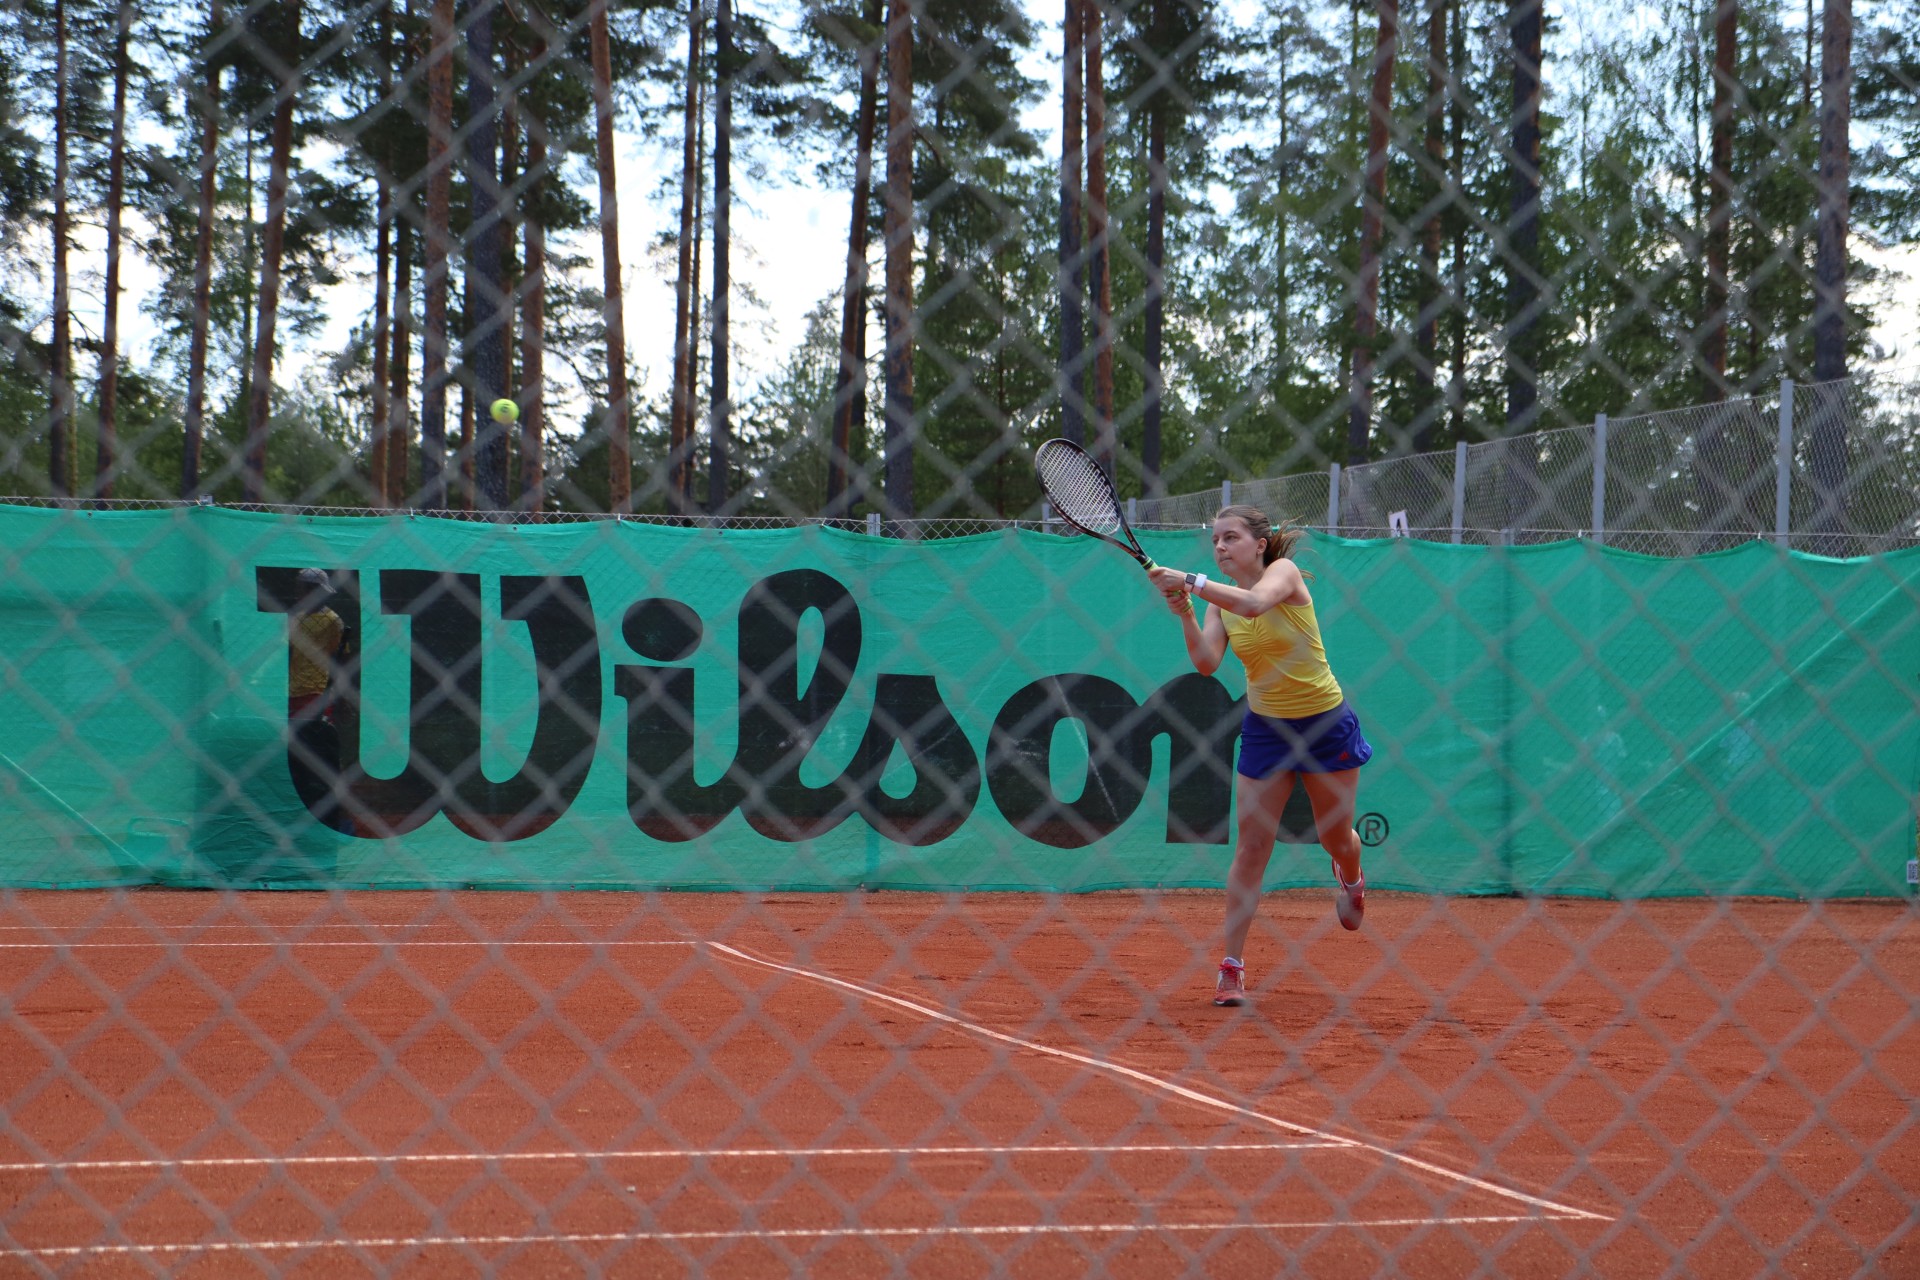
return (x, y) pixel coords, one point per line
(1080, 491)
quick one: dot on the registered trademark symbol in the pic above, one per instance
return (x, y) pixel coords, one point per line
(1372, 828)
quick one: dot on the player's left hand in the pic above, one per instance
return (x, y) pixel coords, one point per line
(1170, 581)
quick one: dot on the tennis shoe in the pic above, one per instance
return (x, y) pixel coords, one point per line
(1351, 903)
(1230, 988)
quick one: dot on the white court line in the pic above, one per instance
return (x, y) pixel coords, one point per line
(775, 1233)
(582, 1157)
(1210, 1101)
(188, 927)
(1165, 1086)
(360, 942)
(398, 932)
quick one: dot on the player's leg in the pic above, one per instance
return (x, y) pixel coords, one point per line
(1335, 796)
(1261, 802)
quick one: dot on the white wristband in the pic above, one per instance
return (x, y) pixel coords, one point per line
(1195, 581)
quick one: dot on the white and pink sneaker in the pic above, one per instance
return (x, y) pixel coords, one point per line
(1351, 903)
(1230, 988)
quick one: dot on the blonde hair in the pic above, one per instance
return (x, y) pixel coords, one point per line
(1280, 541)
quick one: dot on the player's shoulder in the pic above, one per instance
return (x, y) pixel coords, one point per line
(1283, 572)
(1287, 576)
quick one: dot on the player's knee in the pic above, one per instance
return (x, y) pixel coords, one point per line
(1341, 842)
(1251, 859)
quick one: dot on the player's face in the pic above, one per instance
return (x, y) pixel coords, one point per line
(1235, 549)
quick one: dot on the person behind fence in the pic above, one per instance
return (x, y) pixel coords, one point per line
(318, 644)
(1297, 724)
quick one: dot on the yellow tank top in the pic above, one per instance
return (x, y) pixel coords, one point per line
(1287, 672)
(316, 638)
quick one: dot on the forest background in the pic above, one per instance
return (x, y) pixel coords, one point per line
(289, 252)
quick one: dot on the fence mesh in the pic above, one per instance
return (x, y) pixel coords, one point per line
(550, 729)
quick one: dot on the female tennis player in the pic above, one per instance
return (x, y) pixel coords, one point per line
(1298, 723)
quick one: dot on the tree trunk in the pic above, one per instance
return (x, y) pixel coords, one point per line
(1828, 449)
(1073, 336)
(850, 382)
(1282, 262)
(680, 408)
(382, 402)
(719, 414)
(60, 463)
(619, 411)
(382, 268)
(273, 239)
(1099, 262)
(250, 265)
(1427, 339)
(467, 497)
(533, 322)
(510, 229)
(433, 341)
(1373, 200)
(488, 315)
(1830, 254)
(194, 416)
(688, 472)
(1806, 66)
(1726, 35)
(398, 427)
(1156, 299)
(105, 458)
(399, 492)
(1523, 228)
(1719, 475)
(1457, 181)
(897, 227)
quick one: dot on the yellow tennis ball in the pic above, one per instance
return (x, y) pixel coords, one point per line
(505, 411)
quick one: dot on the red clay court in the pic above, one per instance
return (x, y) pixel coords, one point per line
(431, 1084)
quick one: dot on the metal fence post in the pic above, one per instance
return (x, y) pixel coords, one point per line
(873, 524)
(1459, 488)
(1226, 493)
(1783, 465)
(1333, 497)
(1600, 479)
(1133, 511)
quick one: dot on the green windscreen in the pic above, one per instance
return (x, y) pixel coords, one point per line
(622, 705)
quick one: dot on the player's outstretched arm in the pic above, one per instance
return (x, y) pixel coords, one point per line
(1280, 583)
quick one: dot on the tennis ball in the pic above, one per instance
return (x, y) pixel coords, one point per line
(505, 411)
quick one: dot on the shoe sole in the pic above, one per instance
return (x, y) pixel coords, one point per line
(1229, 1002)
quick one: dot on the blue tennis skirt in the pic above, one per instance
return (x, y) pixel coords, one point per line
(1326, 743)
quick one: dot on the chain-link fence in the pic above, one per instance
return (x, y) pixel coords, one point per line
(1677, 482)
(547, 727)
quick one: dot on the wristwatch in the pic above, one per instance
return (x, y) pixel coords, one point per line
(1195, 581)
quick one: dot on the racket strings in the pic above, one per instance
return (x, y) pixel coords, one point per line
(1078, 490)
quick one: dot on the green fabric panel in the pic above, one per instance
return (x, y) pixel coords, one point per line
(1413, 634)
(1560, 719)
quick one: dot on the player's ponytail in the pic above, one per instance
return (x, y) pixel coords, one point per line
(1279, 541)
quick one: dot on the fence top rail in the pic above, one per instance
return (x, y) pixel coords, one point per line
(1675, 541)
